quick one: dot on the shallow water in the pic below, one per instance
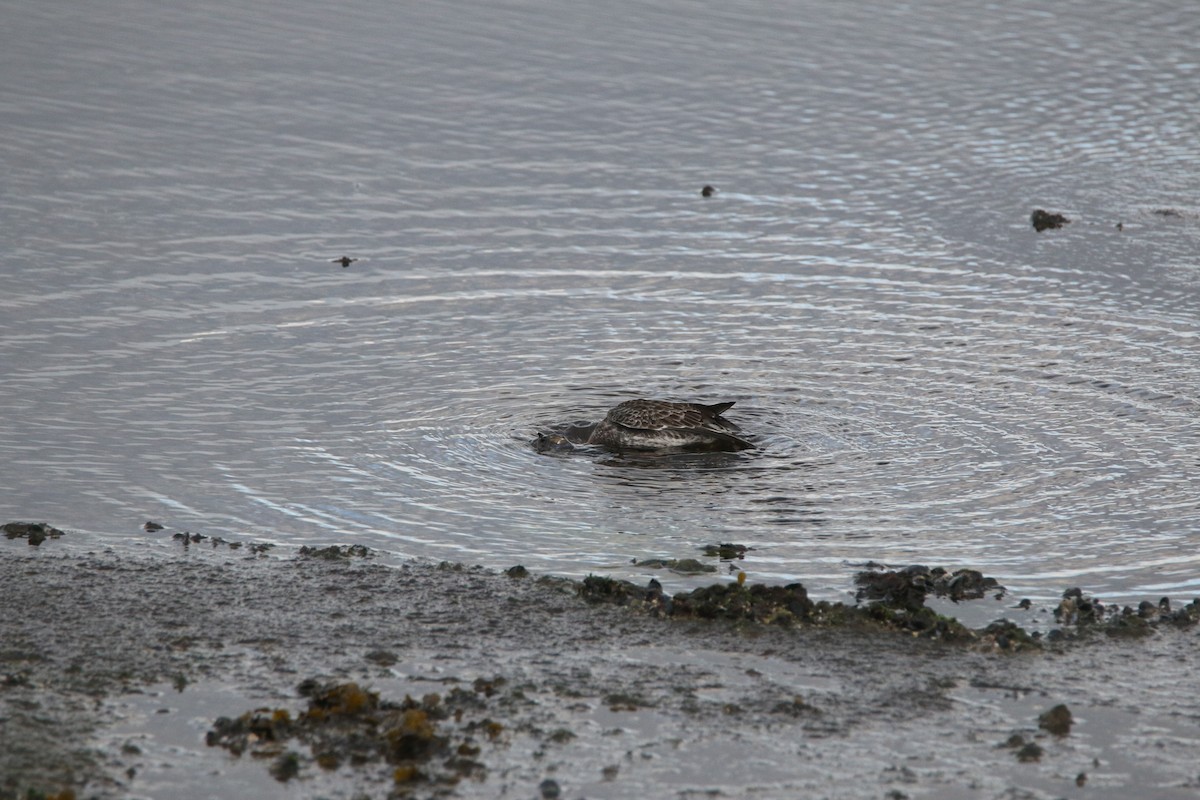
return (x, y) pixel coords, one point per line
(928, 378)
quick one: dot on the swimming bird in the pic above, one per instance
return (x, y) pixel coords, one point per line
(345, 261)
(653, 425)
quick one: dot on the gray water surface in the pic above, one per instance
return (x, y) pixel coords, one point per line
(928, 379)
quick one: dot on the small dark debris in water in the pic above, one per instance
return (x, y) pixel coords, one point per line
(150, 526)
(345, 261)
(726, 552)
(1043, 219)
(35, 532)
(517, 572)
(1032, 751)
(1057, 720)
(1026, 751)
(708, 191)
(187, 539)
(286, 767)
(336, 552)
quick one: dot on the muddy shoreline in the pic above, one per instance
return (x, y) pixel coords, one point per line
(530, 690)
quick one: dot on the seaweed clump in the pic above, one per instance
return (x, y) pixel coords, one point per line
(347, 724)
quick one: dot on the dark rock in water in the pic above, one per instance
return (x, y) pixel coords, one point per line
(1057, 720)
(708, 191)
(768, 604)
(907, 588)
(726, 552)
(35, 532)
(685, 566)
(1032, 751)
(151, 526)
(900, 589)
(1043, 219)
(1077, 609)
(336, 552)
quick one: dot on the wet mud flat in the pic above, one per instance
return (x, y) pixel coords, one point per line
(211, 672)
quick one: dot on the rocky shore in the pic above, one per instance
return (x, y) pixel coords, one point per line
(216, 671)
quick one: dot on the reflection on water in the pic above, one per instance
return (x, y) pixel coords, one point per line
(927, 378)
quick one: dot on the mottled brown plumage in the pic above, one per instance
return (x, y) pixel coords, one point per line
(655, 425)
